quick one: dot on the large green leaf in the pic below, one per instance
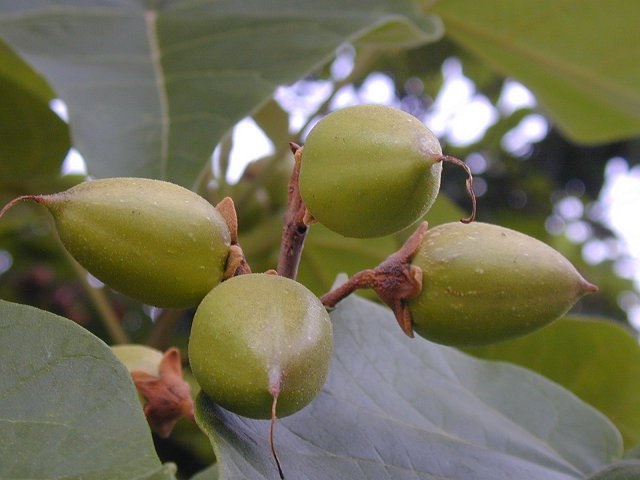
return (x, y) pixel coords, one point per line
(69, 408)
(597, 360)
(580, 57)
(35, 140)
(395, 407)
(14, 69)
(152, 86)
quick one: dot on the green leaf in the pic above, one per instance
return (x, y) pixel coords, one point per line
(274, 122)
(35, 140)
(69, 408)
(395, 407)
(598, 360)
(152, 86)
(579, 57)
(15, 70)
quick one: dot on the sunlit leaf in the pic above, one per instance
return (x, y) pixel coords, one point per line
(579, 57)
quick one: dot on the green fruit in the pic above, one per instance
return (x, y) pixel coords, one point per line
(151, 240)
(483, 283)
(139, 357)
(369, 170)
(256, 337)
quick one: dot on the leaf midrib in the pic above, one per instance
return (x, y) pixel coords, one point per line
(151, 26)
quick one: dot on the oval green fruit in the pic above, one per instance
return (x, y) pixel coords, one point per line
(483, 284)
(151, 240)
(257, 336)
(369, 170)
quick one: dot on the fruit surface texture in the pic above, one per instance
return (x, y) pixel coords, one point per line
(151, 240)
(369, 170)
(483, 283)
(255, 336)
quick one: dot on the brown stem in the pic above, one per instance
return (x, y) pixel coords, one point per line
(469, 183)
(272, 429)
(363, 279)
(295, 228)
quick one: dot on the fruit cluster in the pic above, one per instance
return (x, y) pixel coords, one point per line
(261, 344)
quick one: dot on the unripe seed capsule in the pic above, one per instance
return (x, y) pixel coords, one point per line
(483, 283)
(139, 357)
(256, 337)
(151, 240)
(369, 170)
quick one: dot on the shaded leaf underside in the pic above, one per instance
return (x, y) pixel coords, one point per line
(151, 90)
(68, 408)
(400, 408)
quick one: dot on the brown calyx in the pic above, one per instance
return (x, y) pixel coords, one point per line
(236, 261)
(395, 281)
(167, 394)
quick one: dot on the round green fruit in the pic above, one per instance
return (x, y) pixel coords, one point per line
(369, 170)
(151, 240)
(258, 336)
(483, 284)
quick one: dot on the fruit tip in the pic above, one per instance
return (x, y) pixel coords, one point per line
(587, 287)
(590, 287)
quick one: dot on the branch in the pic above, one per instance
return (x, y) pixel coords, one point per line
(295, 228)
